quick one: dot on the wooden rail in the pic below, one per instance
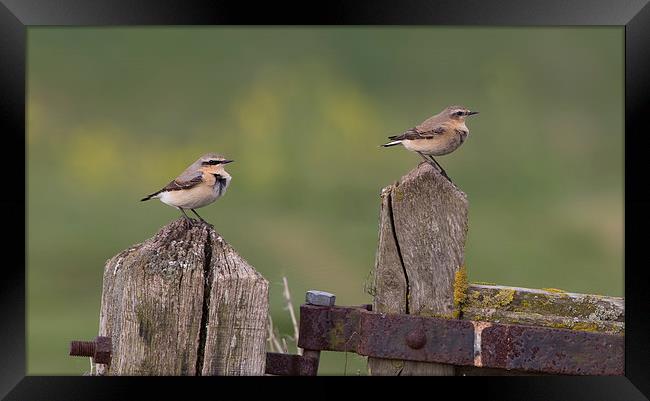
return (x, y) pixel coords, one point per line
(545, 308)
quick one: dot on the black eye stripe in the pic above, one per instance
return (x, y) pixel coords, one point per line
(211, 162)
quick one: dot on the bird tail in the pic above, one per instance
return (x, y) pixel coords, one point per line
(391, 143)
(146, 198)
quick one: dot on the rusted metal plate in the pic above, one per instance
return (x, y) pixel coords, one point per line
(386, 336)
(290, 365)
(416, 338)
(548, 350)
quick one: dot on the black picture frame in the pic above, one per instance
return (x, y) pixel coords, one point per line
(634, 15)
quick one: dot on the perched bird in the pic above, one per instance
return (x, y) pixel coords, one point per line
(199, 185)
(437, 135)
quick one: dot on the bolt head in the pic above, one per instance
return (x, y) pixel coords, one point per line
(416, 339)
(103, 350)
(320, 298)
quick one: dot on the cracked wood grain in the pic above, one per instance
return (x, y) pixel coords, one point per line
(184, 303)
(422, 233)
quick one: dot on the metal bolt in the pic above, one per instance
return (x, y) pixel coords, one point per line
(320, 298)
(416, 339)
(99, 349)
(82, 348)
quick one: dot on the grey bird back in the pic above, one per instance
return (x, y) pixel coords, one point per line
(432, 122)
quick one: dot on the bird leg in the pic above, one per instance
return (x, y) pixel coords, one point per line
(435, 164)
(200, 218)
(424, 157)
(442, 170)
(188, 220)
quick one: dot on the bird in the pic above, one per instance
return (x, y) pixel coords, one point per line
(436, 136)
(203, 182)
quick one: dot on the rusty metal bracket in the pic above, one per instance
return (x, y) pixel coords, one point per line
(460, 342)
(292, 365)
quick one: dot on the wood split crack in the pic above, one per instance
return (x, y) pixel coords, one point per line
(205, 313)
(393, 229)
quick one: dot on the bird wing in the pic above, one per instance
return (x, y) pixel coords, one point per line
(415, 133)
(184, 182)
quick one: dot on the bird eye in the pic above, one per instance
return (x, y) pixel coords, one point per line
(458, 113)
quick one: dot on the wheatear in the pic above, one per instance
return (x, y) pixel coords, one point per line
(199, 185)
(437, 135)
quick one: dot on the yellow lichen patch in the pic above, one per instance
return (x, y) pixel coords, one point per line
(556, 290)
(490, 299)
(460, 286)
(398, 195)
(581, 326)
(585, 326)
(484, 283)
(558, 325)
(474, 297)
(504, 297)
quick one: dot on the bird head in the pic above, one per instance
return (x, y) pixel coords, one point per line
(213, 163)
(458, 112)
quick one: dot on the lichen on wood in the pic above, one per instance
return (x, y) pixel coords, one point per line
(184, 303)
(554, 308)
(460, 286)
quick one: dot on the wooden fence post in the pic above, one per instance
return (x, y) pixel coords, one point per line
(184, 303)
(422, 232)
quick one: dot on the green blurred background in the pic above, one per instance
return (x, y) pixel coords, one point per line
(116, 113)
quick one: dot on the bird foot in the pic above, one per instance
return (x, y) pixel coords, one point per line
(440, 170)
(188, 222)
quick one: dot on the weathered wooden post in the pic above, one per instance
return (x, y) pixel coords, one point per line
(422, 232)
(184, 303)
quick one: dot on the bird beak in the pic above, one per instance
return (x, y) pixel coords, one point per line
(227, 161)
(469, 113)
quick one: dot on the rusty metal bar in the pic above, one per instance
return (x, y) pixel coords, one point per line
(460, 342)
(547, 350)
